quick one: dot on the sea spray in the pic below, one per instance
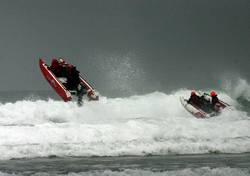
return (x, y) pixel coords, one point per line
(152, 124)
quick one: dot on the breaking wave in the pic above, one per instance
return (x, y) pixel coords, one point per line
(152, 124)
(238, 88)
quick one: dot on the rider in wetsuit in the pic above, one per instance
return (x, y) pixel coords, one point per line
(62, 69)
(215, 101)
(74, 83)
(194, 99)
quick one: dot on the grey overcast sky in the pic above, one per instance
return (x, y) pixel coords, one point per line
(126, 45)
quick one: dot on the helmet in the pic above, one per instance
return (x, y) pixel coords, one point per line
(213, 94)
(61, 60)
(193, 93)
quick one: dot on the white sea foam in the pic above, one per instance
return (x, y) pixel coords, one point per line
(238, 88)
(139, 125)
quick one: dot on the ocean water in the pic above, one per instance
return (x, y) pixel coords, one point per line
(150, 134)
(205, 164)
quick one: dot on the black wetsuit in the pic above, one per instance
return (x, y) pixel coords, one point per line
(59, 70)
(200, 102)
(74, 83)
(214, 100)
(206, 105)
(213, 105)
(194, 99)
(73, 79)
(55, 70)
